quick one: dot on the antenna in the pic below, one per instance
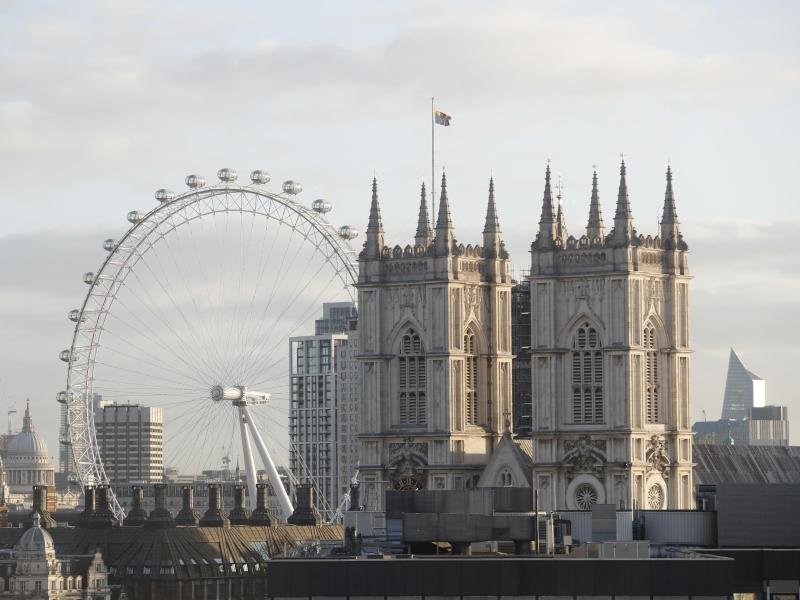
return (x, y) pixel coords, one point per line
(704, 415)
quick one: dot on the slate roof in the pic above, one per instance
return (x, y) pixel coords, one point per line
(181, 552)
(746, 464)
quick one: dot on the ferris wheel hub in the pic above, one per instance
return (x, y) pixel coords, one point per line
(238, 395)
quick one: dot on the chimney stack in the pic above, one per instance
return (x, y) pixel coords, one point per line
(40, 507)
(160, 517)
(305, 513)
(239, 515)
(188, 515)
(261, 515)
(214, 517)
(137, 515)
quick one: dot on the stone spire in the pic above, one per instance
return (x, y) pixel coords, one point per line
(547, 222)
(670, 226)
(561, 224)
(492, 242)
(374, 243)
(27, 421)
(424, 233)
(444, 224)
(623, 218)
(595, 227)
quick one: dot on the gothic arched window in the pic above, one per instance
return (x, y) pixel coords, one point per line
(471, 378)
(587, 376)
(412, 383)
(653, 401)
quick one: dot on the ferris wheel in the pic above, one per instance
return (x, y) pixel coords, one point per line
(191, 311)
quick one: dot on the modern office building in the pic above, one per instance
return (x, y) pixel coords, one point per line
(313, 408)
(336, 317)
(766, 426)
(131, 442)
(743, 390)
(521, 349)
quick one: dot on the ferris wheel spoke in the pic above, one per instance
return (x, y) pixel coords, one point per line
(257, 355)
(208, 322)
(192, 443)
(169, 367)
(252, 337)
(190, 329)
(141, 328)
(200, 323)
(148, 362)
(263, 355)
(185, 346)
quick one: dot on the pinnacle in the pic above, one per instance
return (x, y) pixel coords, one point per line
(443, 220)
(492, 224)
(375, 223)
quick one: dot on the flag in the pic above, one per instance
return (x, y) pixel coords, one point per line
(441, 118)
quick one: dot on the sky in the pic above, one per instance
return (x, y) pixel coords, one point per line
(101, 103)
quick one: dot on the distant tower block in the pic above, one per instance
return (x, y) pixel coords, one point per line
(743, 390)
(610, 358)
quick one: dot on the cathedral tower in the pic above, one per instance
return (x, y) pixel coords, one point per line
(434, 321)
(610, 360)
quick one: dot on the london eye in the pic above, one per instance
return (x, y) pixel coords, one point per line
(191, 310)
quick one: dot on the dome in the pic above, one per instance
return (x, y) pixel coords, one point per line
(28, 443)
(35, 543)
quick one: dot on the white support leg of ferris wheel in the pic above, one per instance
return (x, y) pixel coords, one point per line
(249, 465)
(274, 478)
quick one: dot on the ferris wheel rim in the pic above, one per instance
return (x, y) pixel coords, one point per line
(80, 414)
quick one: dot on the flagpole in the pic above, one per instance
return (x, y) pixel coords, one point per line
(433, 171)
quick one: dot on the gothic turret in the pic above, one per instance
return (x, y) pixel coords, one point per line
(444, 224)
(547, 222)
(595, 227)
(424, 234)
(623, 232)
(561, 224)
(374, 243)
(670, 226)
(492, 242)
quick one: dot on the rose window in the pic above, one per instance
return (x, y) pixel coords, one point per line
(585, 497)
(655, 497)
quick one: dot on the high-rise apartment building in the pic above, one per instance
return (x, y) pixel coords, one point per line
(131, 442)
(314, 406)
(743, 390)
(348, 408)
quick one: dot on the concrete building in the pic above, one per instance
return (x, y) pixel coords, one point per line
(348, 409)
(610, 359)
(131, 442)
(435, 327)
(743, 390)
(313, 408)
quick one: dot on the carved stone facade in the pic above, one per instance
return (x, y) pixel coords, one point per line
(610, 360)
(435, 334)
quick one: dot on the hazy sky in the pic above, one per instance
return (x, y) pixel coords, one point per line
(103, 102)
